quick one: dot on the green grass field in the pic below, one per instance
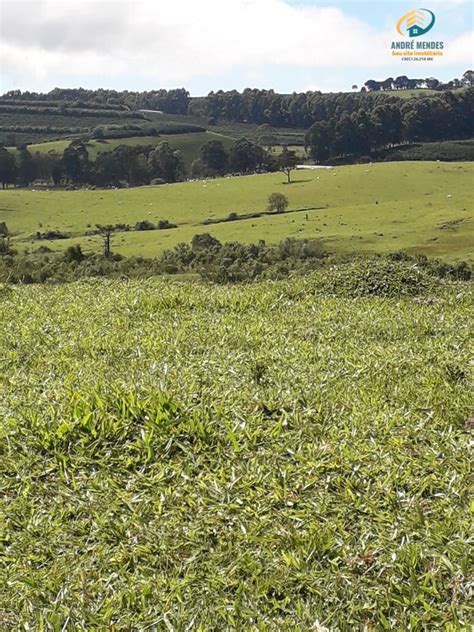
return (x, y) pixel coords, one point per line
(421, 207)
(417, 92)
(178, 456)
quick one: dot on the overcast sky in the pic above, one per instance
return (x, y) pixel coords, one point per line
(208, 45)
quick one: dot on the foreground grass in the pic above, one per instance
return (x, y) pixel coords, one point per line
(419, 207)
(190, 457)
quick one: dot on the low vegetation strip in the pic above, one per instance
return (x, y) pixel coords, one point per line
(228, 458)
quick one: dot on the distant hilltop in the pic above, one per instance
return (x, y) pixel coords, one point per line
(430, 83)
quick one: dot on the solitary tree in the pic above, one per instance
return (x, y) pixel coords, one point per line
(468, 78)
(106, 232)
(286, 162)
(277, 202)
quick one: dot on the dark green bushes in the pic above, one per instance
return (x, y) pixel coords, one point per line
(394, 275)
(51, 234)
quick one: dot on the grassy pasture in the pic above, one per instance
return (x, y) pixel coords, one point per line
(189, 144)
(407, 94)
(181, 456)
(417, 206)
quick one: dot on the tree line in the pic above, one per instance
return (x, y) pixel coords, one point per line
(175, 101)
(251, 105)
(430, 83)
(137, 165)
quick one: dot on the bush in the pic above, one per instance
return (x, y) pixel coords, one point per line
(164, 224)
(98, 133)
(144, 224)
(51, 234)
(73, 253)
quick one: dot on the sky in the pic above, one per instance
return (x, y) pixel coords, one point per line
(204, 45)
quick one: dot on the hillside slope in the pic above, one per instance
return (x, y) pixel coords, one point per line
(419, 206)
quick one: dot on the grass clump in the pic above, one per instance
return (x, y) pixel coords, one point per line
(379, 277)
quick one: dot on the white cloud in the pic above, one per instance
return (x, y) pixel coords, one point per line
(460, 50)
(171, 43)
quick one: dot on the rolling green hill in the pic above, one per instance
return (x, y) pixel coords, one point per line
(418, 206)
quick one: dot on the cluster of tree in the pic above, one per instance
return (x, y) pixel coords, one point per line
(243, 157)
(431, 83)
(175, 101)
(444, 117)
(214, 160)
(125, 165)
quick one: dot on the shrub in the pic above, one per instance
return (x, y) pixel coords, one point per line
(73, 253)
(98, 133)
(203, 242)
(51, 234)
(164, 224)
(144, 224)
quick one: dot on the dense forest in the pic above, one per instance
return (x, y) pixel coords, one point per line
(352, 130)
